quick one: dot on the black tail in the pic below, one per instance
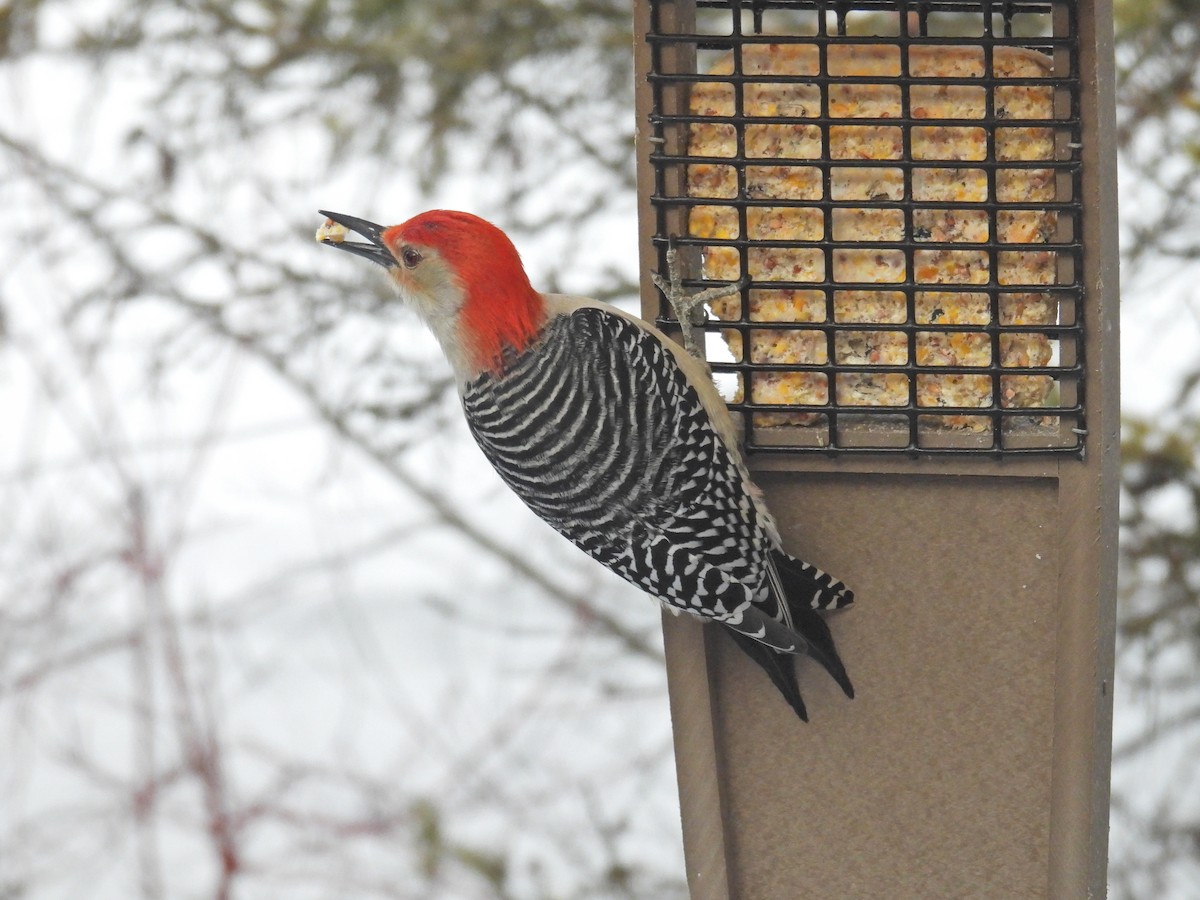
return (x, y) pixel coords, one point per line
(813, 629)
(780, 666)
(807, 590)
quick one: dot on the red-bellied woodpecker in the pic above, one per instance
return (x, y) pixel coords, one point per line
(612, 434)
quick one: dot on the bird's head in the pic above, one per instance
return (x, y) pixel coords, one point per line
(461, 274)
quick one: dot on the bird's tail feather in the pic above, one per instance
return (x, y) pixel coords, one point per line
(781, 667)
(807, 592)
(806, 586)
(807, 589)
(813, 629)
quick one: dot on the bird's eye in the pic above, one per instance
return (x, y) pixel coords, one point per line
(410, 257)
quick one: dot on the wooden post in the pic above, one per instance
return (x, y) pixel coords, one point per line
(975, 759)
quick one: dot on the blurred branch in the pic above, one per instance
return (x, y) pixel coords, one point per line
(156, 154)
(283, 362)
(1162, 728)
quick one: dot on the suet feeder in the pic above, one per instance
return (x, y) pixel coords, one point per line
(918, 201)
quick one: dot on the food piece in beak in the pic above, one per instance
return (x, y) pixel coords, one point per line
(337, 226)
(331, 232)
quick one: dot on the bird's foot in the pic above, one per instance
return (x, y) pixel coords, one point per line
(688, 308)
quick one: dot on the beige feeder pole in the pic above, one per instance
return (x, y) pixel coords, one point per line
(923, 198)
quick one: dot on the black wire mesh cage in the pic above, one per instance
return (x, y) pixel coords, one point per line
(898, 186)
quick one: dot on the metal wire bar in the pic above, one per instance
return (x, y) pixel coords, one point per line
(1033, 367)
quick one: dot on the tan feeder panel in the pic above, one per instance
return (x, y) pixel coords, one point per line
(921, 197)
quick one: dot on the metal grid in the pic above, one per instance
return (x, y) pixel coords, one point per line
(899, 185)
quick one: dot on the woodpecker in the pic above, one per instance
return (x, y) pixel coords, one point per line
(612, 434)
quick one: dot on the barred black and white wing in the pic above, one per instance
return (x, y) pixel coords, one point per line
(598, 430)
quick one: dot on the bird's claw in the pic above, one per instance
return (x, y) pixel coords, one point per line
(688, 308)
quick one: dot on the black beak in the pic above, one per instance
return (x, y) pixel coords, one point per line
(375, 251)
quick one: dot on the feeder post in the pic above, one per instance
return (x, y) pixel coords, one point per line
(974, 760)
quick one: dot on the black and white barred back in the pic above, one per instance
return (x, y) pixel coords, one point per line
(598, 431)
